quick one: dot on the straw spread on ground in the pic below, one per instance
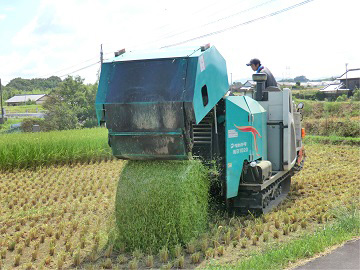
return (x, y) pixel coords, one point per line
(161, 203)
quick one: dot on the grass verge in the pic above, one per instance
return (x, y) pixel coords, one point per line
(332, 140)
(344, 228)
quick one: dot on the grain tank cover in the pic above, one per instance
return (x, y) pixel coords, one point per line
(148, 99)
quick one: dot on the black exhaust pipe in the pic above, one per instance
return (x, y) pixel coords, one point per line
(260, 79)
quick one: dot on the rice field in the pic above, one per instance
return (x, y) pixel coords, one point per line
(25, 150)
(62, 216)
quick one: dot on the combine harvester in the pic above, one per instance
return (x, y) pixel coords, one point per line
(175, 104)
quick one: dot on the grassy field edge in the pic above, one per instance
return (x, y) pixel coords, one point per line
(345, 228)
(332, 140)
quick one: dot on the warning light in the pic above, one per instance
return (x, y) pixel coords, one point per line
(119, 52)
(205, 47)
(303, 133)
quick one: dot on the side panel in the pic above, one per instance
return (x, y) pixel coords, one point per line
(211, 82)
(259, 122)
(238, 144)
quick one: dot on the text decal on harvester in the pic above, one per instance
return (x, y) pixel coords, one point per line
(232, 133)
(202, 63)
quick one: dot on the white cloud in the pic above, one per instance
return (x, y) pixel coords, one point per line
(314, 40)
(2, 17)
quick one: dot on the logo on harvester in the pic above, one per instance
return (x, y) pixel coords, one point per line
(254, 133)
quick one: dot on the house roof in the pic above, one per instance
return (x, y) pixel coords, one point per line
(351, 74)
(24, 98)
(334, 87)
(249, 83)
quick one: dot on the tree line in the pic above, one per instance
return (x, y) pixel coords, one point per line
(71, 102)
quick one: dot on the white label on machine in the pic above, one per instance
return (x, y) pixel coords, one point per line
(202, 63)
(229, 165)
(232, 133)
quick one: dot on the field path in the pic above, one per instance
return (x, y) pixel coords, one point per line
(345, 257)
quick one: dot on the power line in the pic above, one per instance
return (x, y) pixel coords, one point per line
(241, 24)
(52, 73)
(79, 69)
(218, 20)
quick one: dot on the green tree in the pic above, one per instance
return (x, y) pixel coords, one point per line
(356, 95)
(301, 78)
(72, 98)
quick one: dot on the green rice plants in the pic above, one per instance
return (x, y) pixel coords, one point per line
(28, 266)
(52, 250)
(107, 264)
(137, 254)
(227, 237)
(204, 244)
(234, 243)
(210, 253)
(191, 246)
(47, 260)
(180, 262)
(161, 203)
(277, 224)
(11, 245)
(17, 260)
(248, 232)
(178, 250)
(255, 239)
(122, 259)
(195, 258)
(286, 229)
(286, 219)
(34, 255)
(76, 258)
(3, 253)
(133, 264)
(320, 218)
(220, 250)
(20, 249)
(68, 246)
(294, 218)
(109, 250)
(259, 229)
(166, 266)
(238, 233)
(294, 227)
(244, 243)
(60, 261)
(303, 224)
(266, 236)
(164, 254)
(149, 261)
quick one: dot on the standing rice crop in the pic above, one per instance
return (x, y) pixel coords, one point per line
(24, 150)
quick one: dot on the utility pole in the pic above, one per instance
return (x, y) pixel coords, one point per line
(101, 55)
(346, 64)
(2, 109)
(231, 77)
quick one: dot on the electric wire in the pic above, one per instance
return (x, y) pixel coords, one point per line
(80, 69)
(241, 24)
(55, 72)
(218, 20)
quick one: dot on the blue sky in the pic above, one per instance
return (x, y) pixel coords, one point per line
(40, 38)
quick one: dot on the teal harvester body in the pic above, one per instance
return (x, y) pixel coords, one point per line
(174, 104)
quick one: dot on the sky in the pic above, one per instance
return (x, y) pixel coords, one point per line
(41, 38)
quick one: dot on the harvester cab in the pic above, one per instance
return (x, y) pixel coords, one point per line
(173, 104)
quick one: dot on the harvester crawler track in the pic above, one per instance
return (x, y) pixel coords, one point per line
(261, 199)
